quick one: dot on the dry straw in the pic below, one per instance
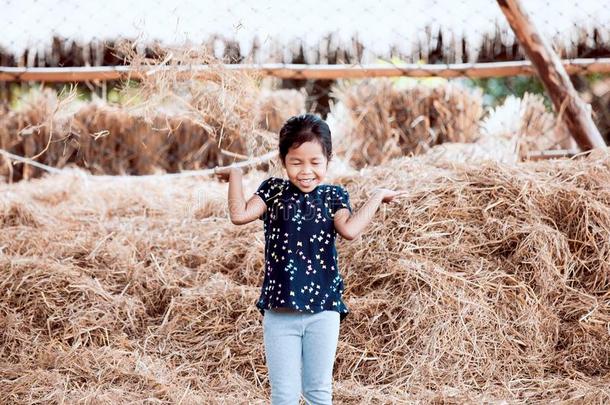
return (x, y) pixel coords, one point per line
(170, 122)
(485, 283)
(377, 120)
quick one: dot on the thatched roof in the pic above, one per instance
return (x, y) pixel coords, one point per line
(303, 32)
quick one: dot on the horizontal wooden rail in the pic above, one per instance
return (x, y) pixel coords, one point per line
(292, 71)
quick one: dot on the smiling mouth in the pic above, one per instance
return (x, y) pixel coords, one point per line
(306, 182)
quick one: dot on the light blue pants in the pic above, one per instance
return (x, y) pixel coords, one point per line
(300, 353)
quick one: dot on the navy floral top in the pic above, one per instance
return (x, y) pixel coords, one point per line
(301, 264)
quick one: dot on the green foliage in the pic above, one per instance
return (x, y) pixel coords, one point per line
(496, 89)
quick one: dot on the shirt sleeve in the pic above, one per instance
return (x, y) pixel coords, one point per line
(268, 190)
(340, 200)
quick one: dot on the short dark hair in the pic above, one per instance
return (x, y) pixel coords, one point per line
(305, 128)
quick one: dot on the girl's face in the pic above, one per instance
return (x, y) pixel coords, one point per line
(306, 165)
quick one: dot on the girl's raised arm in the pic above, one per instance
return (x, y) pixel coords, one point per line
(241, 211)
(350, 226)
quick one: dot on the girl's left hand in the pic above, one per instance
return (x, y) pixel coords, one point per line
(388, 195)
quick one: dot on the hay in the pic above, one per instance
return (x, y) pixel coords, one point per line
(496, 265)
(224, 103)
(107, 139)
(65, 305)
(377, 120)
(171, 122)
(16, 214)
(494, 149)
(485, 283)
(523, 126)
(275, 107)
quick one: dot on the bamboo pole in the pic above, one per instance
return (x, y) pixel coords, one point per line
(185, 173)
(572, 110)
(315, 72)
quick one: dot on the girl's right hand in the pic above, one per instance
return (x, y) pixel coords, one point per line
(223, 174)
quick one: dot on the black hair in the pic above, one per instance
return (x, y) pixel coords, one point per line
(305, 128)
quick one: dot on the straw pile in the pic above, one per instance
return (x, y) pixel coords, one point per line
(503, 277)
(524, 126)
(187, 126)
(275, 107)
(485, 283)
(377, 120)
(508, 134)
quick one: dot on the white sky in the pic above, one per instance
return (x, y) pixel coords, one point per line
(280, 25)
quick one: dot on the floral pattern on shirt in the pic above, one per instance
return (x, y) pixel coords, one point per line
(301, 263)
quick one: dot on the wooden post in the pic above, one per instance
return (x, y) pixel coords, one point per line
(571, 109)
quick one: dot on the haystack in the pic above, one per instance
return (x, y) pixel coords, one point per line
(522, 126)
(503, 268)
(509, 133)
(276, 106)
(376, 120)
(485, 283)
(170, 123)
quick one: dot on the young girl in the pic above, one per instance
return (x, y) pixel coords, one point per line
(300, 299)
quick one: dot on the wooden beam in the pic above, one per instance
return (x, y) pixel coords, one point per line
(571, 109)
(315, 72)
